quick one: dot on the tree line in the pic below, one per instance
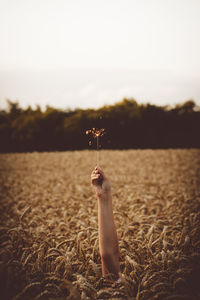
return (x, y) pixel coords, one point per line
(128, 125)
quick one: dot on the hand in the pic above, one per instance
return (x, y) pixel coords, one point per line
(100, 182)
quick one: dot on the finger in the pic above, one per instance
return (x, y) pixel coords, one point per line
(95, 177)
(94, 172)
(100, 171)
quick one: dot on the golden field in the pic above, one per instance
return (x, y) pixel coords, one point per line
(49, 232)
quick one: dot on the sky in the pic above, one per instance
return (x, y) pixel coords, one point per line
(74, 53)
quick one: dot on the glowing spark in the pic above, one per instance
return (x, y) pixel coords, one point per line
(96, 132)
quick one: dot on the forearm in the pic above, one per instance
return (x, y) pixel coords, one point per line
(108, 242)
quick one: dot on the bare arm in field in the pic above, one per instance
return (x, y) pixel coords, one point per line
(108, 243)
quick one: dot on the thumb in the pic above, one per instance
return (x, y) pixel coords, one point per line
(100, 170)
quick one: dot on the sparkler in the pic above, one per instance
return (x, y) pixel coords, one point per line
(96, 133)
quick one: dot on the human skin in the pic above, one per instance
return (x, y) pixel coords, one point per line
(108, 242)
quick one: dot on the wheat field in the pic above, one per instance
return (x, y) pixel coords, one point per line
(49, 233)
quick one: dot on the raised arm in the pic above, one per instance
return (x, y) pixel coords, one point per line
(108, 242)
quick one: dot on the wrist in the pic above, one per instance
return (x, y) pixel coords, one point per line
(104, 195)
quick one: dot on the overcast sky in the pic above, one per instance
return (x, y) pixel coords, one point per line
(75, 53)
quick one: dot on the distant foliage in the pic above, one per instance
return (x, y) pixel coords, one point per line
(127, 123)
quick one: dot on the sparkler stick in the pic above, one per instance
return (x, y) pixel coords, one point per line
(96, 133)
(97, 150)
